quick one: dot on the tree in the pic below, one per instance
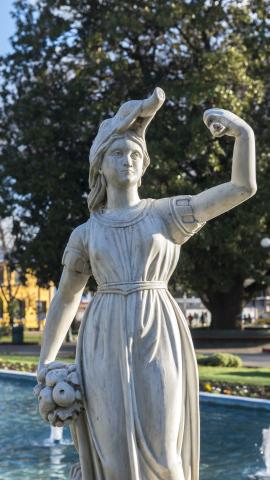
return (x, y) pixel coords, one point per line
(75, 61)
(230, 262)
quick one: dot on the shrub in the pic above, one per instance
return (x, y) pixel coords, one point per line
(262, 321)
(220, 360)
(5, 331)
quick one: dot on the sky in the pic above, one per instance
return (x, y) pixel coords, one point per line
(7, 26)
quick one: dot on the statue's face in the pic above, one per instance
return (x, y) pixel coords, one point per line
(122, 163)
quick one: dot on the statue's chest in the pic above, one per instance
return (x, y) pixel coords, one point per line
(126, 245)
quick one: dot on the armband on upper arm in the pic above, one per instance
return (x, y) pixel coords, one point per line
(185, 223)
(75, 262)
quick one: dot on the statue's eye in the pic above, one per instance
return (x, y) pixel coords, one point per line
(136, 154)
(116, 153)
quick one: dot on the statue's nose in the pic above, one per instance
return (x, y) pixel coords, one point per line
(128, 160)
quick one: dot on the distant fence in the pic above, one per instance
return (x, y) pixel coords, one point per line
(205, 337)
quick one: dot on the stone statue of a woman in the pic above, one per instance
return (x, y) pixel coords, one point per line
(135, 357)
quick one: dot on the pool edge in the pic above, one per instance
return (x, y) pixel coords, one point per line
(209, 398)
(235, 401)
(17, 374)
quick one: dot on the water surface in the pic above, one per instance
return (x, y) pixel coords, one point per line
(230, 441)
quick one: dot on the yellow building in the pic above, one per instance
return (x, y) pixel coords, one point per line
(30, 302)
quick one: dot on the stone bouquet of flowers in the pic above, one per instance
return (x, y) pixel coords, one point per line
(59, 394)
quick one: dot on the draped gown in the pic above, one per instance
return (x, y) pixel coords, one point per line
(135, 353)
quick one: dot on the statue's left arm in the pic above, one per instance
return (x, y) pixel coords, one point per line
(219, 199)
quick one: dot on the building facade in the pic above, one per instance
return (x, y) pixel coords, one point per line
(28, 301)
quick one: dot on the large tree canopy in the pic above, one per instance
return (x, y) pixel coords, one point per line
(75, 61)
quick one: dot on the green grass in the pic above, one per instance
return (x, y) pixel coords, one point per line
(18, 358)
(244, 376)
(28, 359)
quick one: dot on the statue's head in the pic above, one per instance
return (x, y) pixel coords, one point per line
(119, 139)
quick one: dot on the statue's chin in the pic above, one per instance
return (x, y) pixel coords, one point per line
(127, 180)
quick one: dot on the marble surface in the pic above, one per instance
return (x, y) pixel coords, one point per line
(135, 357)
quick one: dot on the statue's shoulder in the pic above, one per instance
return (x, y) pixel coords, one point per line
(168, 203)
(76, 257)
(79, 235)
(177, 213)
(173, 208)
(162, 205)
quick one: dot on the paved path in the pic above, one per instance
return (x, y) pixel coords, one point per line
(251, 356)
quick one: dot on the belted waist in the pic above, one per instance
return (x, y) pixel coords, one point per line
(125, 288)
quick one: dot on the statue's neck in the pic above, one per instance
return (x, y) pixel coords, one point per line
(122, 198)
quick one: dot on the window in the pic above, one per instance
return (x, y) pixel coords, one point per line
(41, 310)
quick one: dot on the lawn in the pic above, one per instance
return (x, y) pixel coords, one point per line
(18, 358)
(243, 376)
(24, 363)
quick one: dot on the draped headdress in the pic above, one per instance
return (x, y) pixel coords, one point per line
(131, 120)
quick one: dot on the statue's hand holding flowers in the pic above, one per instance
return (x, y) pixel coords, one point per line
(58, 392)
(222, 122)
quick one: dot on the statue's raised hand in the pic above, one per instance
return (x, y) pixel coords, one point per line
(222, 122)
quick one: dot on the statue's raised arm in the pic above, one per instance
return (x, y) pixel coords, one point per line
(219, 199)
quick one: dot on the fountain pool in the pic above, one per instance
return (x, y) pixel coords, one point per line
(230, 443)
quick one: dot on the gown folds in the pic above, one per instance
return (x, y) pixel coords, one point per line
(135, 354)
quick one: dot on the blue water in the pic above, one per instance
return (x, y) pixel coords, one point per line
(230, 443)
(23, 435)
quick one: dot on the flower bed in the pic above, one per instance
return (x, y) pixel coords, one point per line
(253, 391)
(19, 366)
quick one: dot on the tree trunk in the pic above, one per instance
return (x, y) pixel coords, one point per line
(10, 310)
(226, 307)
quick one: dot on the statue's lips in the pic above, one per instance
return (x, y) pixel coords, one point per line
(127, 170)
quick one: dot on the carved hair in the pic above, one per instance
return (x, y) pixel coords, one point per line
(98, 189)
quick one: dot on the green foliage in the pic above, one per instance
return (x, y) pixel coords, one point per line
(73, 64)
(220, 360)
